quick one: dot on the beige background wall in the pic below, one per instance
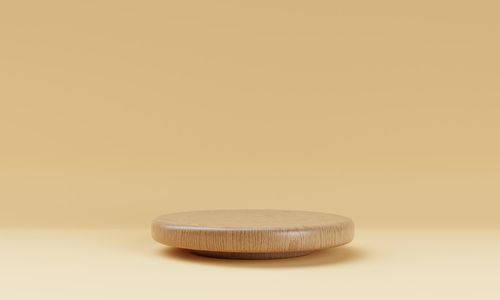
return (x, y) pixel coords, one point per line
(112, 112)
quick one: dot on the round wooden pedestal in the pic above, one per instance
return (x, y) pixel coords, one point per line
(252, 234)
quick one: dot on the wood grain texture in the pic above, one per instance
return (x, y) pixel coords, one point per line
(252, 234)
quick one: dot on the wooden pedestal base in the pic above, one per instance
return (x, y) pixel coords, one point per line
(249, 255)
(252, 234)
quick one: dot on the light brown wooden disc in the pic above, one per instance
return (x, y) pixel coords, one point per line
(252, 234)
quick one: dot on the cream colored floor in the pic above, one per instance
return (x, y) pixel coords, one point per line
(127, 264)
